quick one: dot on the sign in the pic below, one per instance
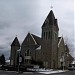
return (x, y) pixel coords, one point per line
(20, 59)
(11, 62)
(61, 60)
(36, 66)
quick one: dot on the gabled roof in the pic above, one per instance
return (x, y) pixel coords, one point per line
(67, 49)
(71, 58)
(33, 38)
(36, 39)
(59, 40)
(38, 48)
(15, 42)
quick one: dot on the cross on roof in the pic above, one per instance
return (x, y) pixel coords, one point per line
(51, 6)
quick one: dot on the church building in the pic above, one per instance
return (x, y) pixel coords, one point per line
(47, 51)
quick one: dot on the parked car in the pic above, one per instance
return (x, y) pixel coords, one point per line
(0, 66)
(71, 68)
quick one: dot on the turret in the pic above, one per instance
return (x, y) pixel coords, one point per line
(14, 55)
(15, 42)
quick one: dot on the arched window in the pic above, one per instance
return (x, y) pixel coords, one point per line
(44, 35)
(27, 52)
(55, 36)
(49, 35)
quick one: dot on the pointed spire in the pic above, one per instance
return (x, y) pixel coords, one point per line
(50, 20)
(15, 42)
(51, 17)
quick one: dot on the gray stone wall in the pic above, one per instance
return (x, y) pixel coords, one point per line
(13, 55)
(49, 46)
(61, 51)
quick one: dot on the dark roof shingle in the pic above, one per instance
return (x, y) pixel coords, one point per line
(15, 42)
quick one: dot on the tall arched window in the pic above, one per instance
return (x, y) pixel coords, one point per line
(55, 36)
(44, 35)
(25, 54)
(49, 35)
(28, 52)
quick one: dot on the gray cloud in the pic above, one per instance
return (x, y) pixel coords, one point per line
(18, 17)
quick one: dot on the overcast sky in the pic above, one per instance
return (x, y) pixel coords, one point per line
(18, 17)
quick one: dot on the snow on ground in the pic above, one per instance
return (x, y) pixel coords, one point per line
(50, 72)
(45, 71)
(39, 69)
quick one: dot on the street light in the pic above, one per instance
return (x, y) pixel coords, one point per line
(63, 61)
(18, 58)
(63, 57)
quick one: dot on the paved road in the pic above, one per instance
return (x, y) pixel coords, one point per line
(30, 73)
(15, 73)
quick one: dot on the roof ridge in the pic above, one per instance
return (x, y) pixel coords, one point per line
(59, 41)
(15, 42)
(33, 38)
(36, 36)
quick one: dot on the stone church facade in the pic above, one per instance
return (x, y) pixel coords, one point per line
(46, 50)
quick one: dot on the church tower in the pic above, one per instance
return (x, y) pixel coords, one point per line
(50, 41)
(14, 47)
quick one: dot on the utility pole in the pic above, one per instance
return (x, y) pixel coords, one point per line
(63, 61)
(63, 57)
(18, 59)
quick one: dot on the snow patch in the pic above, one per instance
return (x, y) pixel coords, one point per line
(50, 72)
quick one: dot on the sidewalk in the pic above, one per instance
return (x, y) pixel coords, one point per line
(51, 72)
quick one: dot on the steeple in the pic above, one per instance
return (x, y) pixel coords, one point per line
(51, 15)
(50, 20)
(15, 42)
